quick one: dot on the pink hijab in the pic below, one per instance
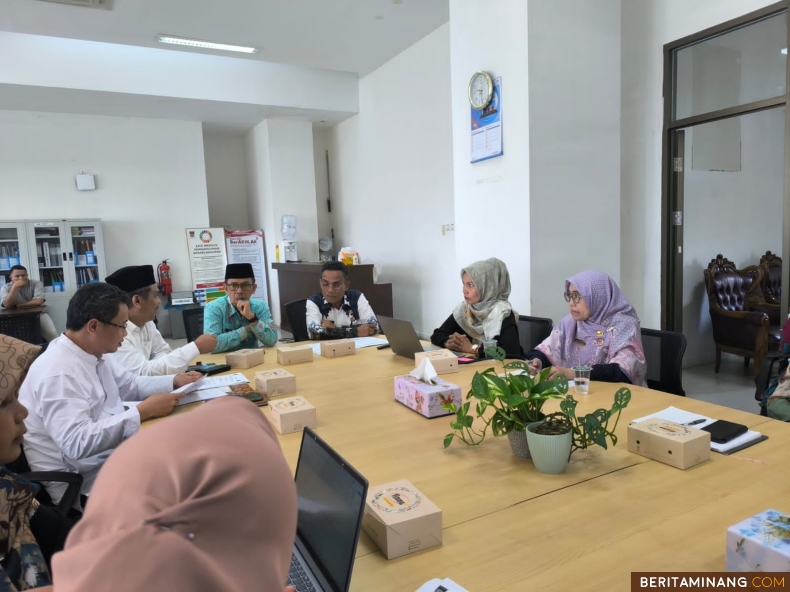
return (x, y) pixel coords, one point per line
(611, 335)
(202, 502)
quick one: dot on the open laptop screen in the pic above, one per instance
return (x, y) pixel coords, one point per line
(331, 502)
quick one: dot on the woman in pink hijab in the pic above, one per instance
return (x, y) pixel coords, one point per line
(202, 502)
(602, 331)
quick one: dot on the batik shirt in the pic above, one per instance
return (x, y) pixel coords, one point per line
(354, 311)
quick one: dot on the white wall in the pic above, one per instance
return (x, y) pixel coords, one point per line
(492, 201)
(324, 217)
(392, 185)
(226, 180)
(574, 145)
(648, 25)
(150, 177)
(54, 62)
(281, 169)
(737, 214)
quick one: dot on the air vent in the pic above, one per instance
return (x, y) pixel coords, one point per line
(84, 3)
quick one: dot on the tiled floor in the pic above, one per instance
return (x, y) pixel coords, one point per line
(732, 387)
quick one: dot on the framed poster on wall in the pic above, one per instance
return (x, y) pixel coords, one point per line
(207, 260)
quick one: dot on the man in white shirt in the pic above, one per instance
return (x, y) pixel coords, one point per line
(144, 351)
(338, 312)
(22, 292)
(75, 395)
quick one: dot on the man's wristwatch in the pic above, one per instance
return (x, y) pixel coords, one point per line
(253, 320)
(476, 349)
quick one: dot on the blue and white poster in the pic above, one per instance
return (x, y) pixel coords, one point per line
(487, 127)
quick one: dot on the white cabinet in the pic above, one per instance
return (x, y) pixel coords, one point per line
(13, 248)
(61, 254)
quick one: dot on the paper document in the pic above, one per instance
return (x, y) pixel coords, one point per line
(208, 382)
(682, 417)
(203, 395)
(361, 342)
(224, 380)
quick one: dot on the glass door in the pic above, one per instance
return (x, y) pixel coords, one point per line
(87, 251)
(13, 250)
(49, 264)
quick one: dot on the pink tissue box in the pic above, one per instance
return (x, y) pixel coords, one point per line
(427, 399)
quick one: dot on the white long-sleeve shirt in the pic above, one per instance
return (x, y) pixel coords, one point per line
(76, 413)
(146, 353)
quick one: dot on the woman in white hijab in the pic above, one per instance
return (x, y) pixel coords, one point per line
(484, 314)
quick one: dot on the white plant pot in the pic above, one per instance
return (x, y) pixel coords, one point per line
(549, 453)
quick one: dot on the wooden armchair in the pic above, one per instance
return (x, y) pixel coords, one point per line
(733, 295)
(772, 278)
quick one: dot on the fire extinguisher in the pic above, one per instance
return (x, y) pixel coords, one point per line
(165, 282)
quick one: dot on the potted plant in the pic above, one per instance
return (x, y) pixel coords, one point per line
(553, 440)
(506, 404)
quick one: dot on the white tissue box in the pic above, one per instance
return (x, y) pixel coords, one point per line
(427, 399)
(760, 543)
(443, 360)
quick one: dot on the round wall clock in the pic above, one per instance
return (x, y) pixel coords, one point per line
(481, 89)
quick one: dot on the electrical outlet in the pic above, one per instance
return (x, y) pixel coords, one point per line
(450, 227)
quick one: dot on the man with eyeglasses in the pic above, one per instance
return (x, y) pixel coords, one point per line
(22, 292)
(238, 320)
(338, 312)
(75, 393)
(144, 351)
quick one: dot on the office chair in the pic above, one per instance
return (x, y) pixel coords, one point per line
(664, 355)
(296, 311)
(532, 331)
(52, 523)
(193, 323)
(774, 364)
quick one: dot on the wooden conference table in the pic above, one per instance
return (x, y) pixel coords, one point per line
(508, 527)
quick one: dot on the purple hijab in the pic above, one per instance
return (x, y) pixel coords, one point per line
(610, 336)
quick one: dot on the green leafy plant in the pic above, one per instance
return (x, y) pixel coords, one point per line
(503, 403)
(589, 429)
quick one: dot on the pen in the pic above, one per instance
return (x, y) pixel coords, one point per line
(695, 422)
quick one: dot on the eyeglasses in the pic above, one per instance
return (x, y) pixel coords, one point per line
(575, 296)
(334, 286)
(236, 287)
(113, 324)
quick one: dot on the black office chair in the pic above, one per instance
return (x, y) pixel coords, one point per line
(774, 364)
(664, 355)
(532, 331)
(295, 311)
(52, 523)
(73, 483)
(193, 323)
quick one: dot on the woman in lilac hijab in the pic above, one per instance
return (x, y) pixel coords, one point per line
(602, 331)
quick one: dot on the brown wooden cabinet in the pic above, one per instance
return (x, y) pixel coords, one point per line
(300, 280)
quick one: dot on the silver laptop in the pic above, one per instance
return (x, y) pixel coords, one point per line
(403, 338)
(331, 497)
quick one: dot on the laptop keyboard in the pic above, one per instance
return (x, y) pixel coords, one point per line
(298, 578)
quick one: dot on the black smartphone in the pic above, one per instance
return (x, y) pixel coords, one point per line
(208, 369)
(722, 431)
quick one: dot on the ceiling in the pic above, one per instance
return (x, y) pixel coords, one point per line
(348, 35)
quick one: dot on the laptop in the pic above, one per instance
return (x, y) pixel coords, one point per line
(403, 338)
(331, 497)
